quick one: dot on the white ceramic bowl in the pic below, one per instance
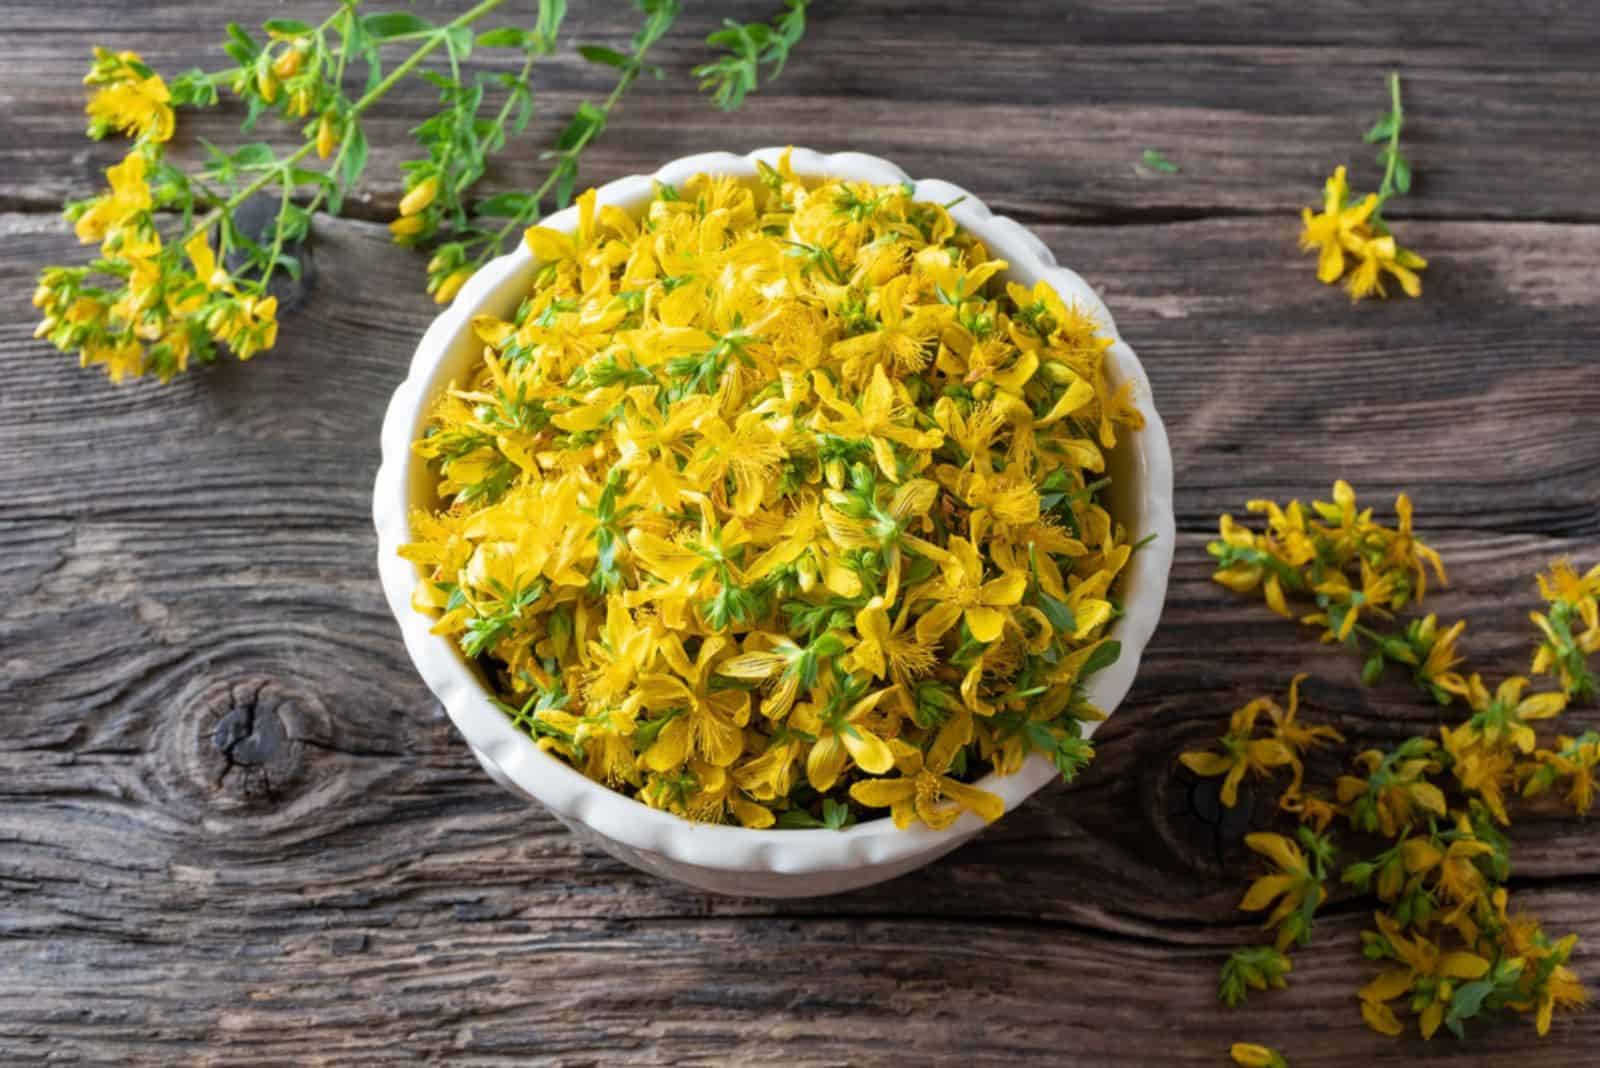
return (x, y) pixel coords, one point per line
(734, 860)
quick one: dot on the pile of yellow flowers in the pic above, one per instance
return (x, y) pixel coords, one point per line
(770, 504)
(144, 307)
(1451, 949)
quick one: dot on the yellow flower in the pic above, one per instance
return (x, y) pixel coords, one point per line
(1455, 874)
(1241, 752)
(132, 98)
(1438, 667)
(1298, 738)
(887, 650)
(711, 721)
(206, 267)
(1503, 717)
(1574, 759)
(407, 226)
(1379, 256)
(963, 594)
(902, 340)
(1395, 790)
(1425, 972)
(842, 734)
(1292, 892)
(1338, 228)
(129, 198)
(1405, 550)
(924, 789)
(878, 422)
(327, 135)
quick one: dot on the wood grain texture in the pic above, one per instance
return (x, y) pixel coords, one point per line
(1056, 101)
(236, 829)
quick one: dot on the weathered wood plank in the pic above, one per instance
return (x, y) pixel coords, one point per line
(1053, 103)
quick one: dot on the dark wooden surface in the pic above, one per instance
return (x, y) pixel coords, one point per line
(237, 829)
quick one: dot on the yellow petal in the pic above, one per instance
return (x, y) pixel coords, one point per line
(549, 246)
(1380, 1018)
(1278, 849)
(986, 624)
(871, 753)
(1387, 986)
(1264, 891)
(1207, 763)
(881, 793)
(973, 799)
(1462, 965)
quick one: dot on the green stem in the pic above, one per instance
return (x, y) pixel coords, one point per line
(277, 236)
(1387, 188)
(532, 212)
(372, 96)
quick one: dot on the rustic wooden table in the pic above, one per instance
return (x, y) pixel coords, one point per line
(237, 829)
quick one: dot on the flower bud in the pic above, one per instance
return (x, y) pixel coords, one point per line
(327, 136)
(287, 65)
(452, 285)
(420, 196)
(407, 226)
(267, 84)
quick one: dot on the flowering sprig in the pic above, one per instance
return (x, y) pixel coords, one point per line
(179, 276)
(1347, 229)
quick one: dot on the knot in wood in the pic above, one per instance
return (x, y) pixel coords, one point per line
(245, 749)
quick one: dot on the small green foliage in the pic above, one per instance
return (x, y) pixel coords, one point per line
(1157, 162)
(1252, 968)
(749, 47)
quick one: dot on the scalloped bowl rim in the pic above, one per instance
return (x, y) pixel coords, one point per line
(573, 796)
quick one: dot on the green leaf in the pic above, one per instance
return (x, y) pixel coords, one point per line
(551, 12)
(1157, 162)
(1105, 654)
(355, 156)
(286, 27)
(504, 205)
(383, 25)
(607, 57)
(799, 819)
(587, 124)
(1402, 174)
(240, 45)
(836, 815)
(566, 178)
(193, 88)
(504, 37)
(253, 155)
(1381, 130)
